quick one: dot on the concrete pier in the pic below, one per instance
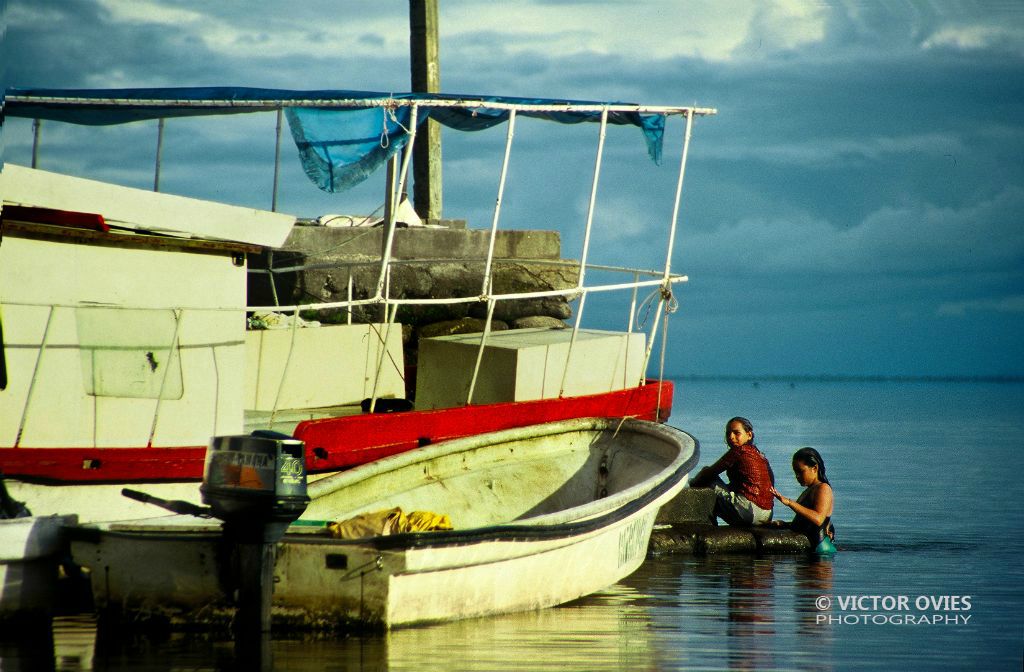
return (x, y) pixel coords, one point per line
(686, 525)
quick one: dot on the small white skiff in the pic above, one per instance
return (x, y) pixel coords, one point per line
(31, 549)
(542, 515)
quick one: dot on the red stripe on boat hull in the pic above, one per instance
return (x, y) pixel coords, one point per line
(335, 443)
(338, 443)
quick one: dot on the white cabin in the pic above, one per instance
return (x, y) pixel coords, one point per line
(123, 338)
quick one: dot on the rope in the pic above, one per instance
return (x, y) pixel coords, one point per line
(661, 293)
(389, 108)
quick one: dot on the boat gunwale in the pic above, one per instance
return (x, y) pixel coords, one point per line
(519, 533)
(540, 530)
(413, 540)
(504, 532)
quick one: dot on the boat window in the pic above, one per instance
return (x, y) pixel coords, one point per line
(129, 352)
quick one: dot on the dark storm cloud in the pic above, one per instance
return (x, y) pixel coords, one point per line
(82, 43)
(68, 44)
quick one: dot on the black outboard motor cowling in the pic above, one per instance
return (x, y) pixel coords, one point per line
(257, 479)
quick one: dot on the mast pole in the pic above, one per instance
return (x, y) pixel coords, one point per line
(426, 78)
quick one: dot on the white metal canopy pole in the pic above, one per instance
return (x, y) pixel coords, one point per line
(480, 351)
(264, 104)
(570, 292)
(679, 194)
(385, 260)
(666, 290)
(586, 249)
(171, 352)
(383, 281)
(284, 371)
(273, 201)
(35, 376)
(488, 286)
(593, 196)
(383, 354)
(277, 160)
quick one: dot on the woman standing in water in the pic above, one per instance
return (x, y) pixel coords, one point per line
(813, 508)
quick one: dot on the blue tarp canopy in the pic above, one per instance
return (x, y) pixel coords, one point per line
(342, 136)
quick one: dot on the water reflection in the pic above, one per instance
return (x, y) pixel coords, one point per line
(22, 644)
(750, 607)
(607, 631)
(812, 580)
(674, 613)
(74, 643)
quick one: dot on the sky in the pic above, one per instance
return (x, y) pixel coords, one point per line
(854, 208)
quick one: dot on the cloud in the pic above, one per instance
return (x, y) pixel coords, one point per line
(980, 236)
(147, 12)
(831, 150)
(1009, 304)
(975, 37)
(917, 240)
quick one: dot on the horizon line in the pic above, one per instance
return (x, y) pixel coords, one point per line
(849, 378)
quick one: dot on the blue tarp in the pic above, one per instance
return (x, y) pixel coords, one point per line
(339, 146)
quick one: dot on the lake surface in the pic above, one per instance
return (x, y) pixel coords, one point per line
(929, 574)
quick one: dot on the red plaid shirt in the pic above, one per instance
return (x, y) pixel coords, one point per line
(749, 474)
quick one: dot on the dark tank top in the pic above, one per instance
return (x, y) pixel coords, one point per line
(814, 533)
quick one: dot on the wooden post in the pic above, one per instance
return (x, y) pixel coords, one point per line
(426, 78)
(159, 153)
(37, 125)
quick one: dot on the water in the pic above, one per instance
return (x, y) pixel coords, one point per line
(926, 483)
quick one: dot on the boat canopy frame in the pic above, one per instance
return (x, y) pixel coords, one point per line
(118, 106)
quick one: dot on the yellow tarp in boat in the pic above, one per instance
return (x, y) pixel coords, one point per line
(388, 521)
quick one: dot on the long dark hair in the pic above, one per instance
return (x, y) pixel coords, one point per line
(812, 458)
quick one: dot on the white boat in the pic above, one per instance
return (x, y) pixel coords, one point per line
(31, 550)
(124, 341)
(541, 515)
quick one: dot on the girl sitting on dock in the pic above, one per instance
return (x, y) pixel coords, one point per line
(747, 499)
(813, 507)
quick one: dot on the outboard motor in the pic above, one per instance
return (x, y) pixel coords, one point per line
(256, 484)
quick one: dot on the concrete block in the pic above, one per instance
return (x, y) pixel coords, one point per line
(691, 505)
(727, 540)
(451, 243)
(772, 540)
(525, 364)
(695, 538)
(330, 366)
(669, 539)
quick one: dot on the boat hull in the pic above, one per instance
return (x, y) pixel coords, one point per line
(437, 584)
(30, 551)
(522, 546)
